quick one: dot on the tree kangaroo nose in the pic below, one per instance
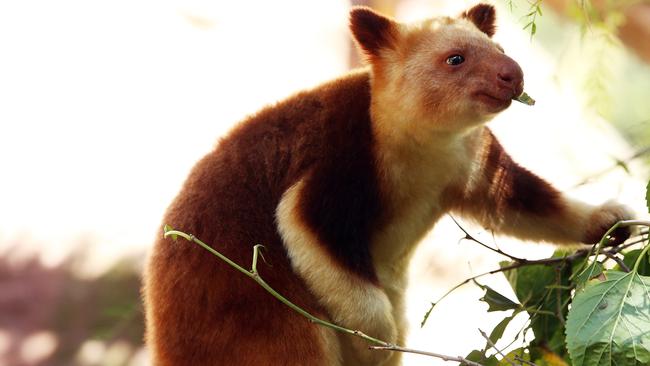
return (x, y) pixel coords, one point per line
(511, 76)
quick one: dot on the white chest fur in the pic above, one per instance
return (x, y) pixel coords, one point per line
(415, 179)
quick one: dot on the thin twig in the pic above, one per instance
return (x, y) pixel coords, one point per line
(520, 359)
(489, 341)
(469, 236)
(619, 248)
(521, 332)
(618, 261)
(461, 360)
(627, 223)
(525, 262)
(604, 241)
(619, 163)
(521, 262)
(253, 274)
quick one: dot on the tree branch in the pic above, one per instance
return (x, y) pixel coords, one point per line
(618, 164)
(459, 359)
(521, 262)
(618, 261)
(489, 341)
(254, 275)
(468, 236)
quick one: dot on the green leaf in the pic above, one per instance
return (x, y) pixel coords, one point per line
(581, 278)
(630, 259)
(496, 301)
(545, 306)
(647, 196)
(609, 322)
(623, 165)
(497, 332)
(426, 315)
(525, 99)
(167, 228)
(533, 29)
(480, 357)
(515, 355)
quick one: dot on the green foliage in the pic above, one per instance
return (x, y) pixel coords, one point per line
(531, 17)
(545, 293)
(583, 272)
(630, 259)
(427, 314)
(599, 29)
(609, 322)
(609, 318)
(518, 354)
(480, 357)
(612, 82)
(496, 301)
(498, 330)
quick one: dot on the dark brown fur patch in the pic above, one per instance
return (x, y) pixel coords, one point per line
(484, 18)
(514, 187)
(341, 200)
(372, 31)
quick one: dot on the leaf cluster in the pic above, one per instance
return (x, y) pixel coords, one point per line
(531, 17)
(582, 311)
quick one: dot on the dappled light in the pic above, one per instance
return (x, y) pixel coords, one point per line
(51, 315)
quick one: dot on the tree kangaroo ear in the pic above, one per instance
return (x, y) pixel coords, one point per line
(484, 18)
(373, 31)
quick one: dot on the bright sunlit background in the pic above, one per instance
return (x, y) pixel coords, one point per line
(106, 105)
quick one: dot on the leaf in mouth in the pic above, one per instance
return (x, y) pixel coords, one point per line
(525, 98)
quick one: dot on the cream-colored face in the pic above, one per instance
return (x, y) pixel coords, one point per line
(443, 74)
(457, 75)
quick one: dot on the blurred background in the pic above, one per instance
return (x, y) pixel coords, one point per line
(106, 105)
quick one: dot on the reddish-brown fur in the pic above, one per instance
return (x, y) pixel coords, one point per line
(349, 155)
(200, 310)
(373, 32)
(516, 187)
(484, 17)
(505, 186)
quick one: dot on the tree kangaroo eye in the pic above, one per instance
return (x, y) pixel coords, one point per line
(455, 60)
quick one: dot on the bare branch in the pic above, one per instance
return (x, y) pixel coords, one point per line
(468, 236)
(521, 262)
(489, 341)
(518, 358)
(618, 261)
(619, 163)
(254, 275)
(643, 237)
(461, 360)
